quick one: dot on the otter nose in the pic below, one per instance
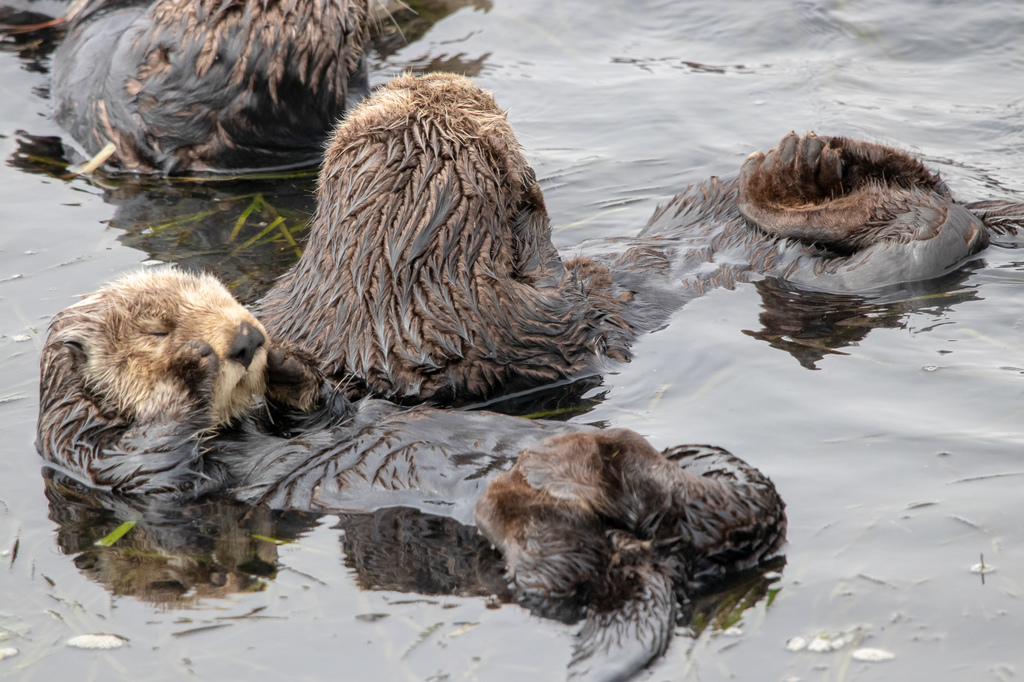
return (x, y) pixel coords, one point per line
(246, 343)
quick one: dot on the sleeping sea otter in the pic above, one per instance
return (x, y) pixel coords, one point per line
(430, 272)
(181, 85)
(161, 387)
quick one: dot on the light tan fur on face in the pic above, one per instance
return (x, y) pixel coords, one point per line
(132, 330)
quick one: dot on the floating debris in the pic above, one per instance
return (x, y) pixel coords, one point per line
(371, 617)
(824, 645)
(151, 262)
(97, 641)
(796, 644)
(116, 534)
(21, 337)
(466, 627)
(734, 631)
(93, 163)
(7, 652)
(982, 568)
(873, 655)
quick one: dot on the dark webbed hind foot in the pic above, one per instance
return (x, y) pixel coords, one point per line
(877, 214)
(837, 192)
(602, 525)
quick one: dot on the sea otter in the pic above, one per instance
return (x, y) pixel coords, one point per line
(430, 274)
(182, 85)
(134, 377)
(163, 389)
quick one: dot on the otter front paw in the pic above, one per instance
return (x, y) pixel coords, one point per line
(197, 366)
(293, 377)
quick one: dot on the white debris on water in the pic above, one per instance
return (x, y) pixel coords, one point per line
(982, 568)
(152, 262)
(7, 652)
(734, 631)
(823, 644)
(796, 644)
(873, 655)
(97, 641)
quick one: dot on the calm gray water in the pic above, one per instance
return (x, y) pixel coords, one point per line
(892, 427)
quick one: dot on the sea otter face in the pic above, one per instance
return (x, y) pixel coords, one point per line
(162, 341)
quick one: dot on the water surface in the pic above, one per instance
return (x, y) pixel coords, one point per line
(891, 426)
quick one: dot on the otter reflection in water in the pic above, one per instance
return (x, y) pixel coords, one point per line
(161, 387)
(811, 324)
(430, 274)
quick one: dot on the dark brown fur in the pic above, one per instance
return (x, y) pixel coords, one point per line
(430, 274)
(208, 84)
(604, 521)
(141, 396)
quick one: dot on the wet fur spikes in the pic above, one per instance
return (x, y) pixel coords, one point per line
(179, 85)
(600, 526)
(430, 272)
(135, 377)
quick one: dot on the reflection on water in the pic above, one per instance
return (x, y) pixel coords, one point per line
(810, 325)
(632, 101)
(171, 555)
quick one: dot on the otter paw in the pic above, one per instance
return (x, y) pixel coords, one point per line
(293, 378)
(800, 171)
(195, 362)
(196, 366)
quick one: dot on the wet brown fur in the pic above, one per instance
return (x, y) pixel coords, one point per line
(836, 192)
(430, 272)
(153, 361)
(210, 84)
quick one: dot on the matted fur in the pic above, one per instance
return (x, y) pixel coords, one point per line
(208, 84)
(604, 521)
(134, 374)
(430, 272)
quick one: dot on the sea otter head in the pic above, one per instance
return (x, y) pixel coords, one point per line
(430, 273)
(157, 342)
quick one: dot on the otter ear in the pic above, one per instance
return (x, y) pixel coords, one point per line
(76, 351)
(537, 259)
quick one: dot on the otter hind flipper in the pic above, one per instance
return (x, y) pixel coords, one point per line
(875, 215)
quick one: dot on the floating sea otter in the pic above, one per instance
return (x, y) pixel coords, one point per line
(181, 85)
(162, 387)
(430, 272)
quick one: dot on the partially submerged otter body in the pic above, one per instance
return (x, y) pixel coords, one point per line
(178, 85)
(430, 274)
(133, 375)
(827, 213)
(162, 388)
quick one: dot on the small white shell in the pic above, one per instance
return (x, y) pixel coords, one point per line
(796, 644)
(97, 641)
(820, 645)
(7, 652)
(873, 655)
